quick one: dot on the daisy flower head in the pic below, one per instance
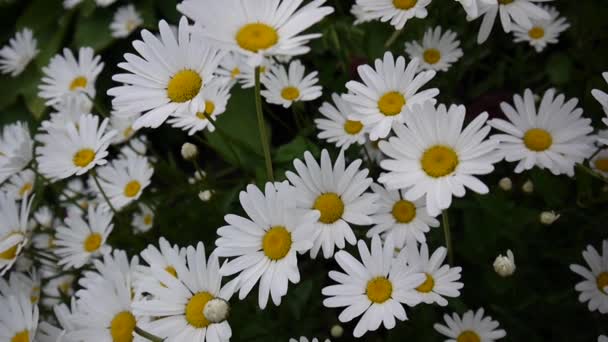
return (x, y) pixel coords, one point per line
(399, 220)
(234, 67)
(192, 305)
(594, 288)
(67, 77)
(543, 31)
(74, 150)
(51, 333)
(19, 52)
(599, 162)
(511, 12)
(18, 318)
(123, 125)
(284, 87)
(21, 283)
(437, 51)
(78, 240)
(434, 155)
(126, 20)
(555, 136)
(473, 326)
(602, 98)
(16, 149)
(44, 217)
(265, 244)
(336, 127)
(167, 78)
(257, 29)
(398, 12)
(14, 229)
(21, 185)
(115, 267)
(337, 193)
(360, 14)
(471, 7)
(386, 92)
(68, 110)
(374, 288)
(165, 257)
(602, 338)
(143, 219)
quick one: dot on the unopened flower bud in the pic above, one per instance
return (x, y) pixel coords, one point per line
(216, 310)
(506, 184)
(548, 217)
(505, 265)
(205, 195)
(528, 187)
(189, 151)
(336, 331)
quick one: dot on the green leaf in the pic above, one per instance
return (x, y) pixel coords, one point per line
(559, 68)
(295, 149)
(94, 31)
(40, 14)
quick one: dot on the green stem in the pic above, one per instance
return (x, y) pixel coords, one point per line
(62, 192)
(262, 126)
(102, 111)
(448, 235)
(147, 335)
(224, 137)
(592, 173)
(103, 193)
(392, 38)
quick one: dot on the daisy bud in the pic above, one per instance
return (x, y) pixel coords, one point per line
(198, 176)
(336, 331)
(528, 187)
(506, 184)
(505, 265)
(205, 195)
(216, 310)
(548, 217)
(189, 151)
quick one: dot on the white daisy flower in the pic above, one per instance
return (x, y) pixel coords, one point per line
(594, 288)
(543, 31)
(284, 87)
(257, 29)
(214, 99)
(371, 151)
(123, 181)
(135, 147)
(73, 150)
(399, 220)
(104, 3)
(434, 155)
(19, 52)
(336, 127)
(21, 185)
(16, 149)
(21, 283)
(44, 217)
(398, 12)
(441, 280)
(375, 287)
(602, 98)
(123, 125)
(182, 306)
(265, 244)
(69, 4)
(14, 229)
(602, 338)
(337, 192)
(18, 318)
(473, 326)
(79, 240)
(234, 67)
(438, 50)
(143, 219)
(554, 137)
(471, 7)
(520, 12)
(126, 20)
(599, 162)
(57, 286)
(168, 78)
(305, 339)
(50, 333)
(360, 14)
(387, 92)
(68, 110)
(67, 77)
(165, 257)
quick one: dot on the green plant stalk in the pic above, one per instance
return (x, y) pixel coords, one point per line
(103, 193)
(50, 184)
(262, 126)
(448, 235)
(392, 38)
(225, 138)
(147, 335)
(592, 173)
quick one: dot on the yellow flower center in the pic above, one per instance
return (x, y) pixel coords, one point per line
(122, 327)
(404, 4)
(428, 285)
(536, 32)
(83, 157)
(184, 86)
(171, 270)
(602, 164)
(148, 219)
(602, 282)
(92, 243)
(131, 25)
(11, 252)
(379, 290)
(209, 107)
(290, 93)
(505, 2)
(201, 115)
(352, 127)
(35, 294)
(331, 207)
(235, 72)
(439, 161)
(132, 189)
(391, 103)
(276, 243)
(404, 211)
(23, 336)
(431, 56)
(78, 82)
(538, 140)
(65, 287)
(128, 132)
(194, 310)
(257, 36)
(25, 189)
(468, 336)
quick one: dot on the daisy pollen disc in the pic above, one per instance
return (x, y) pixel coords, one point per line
(257, 36)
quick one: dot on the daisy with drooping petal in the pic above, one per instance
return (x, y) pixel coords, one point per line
(66, 77)
(19, 52)
(21, 185)
(14, 229)
(386, 92)
(438, 50)
(336, 127)
(433, 155)
(594, 288)
(164, 257)
(284, 87)
(375, 287)
(543, 31)
(123, 125)
(260, 28)
(168, 78)
(555, 136)
(265, 245)
(511, 12)
(126, 20)
(16, 149)
(473, 326)
(79, 240)
(337, 192)
(73, 150)
(192, 305)
(18, 318)
(143, 220)
(398, 12)
(399, 220)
